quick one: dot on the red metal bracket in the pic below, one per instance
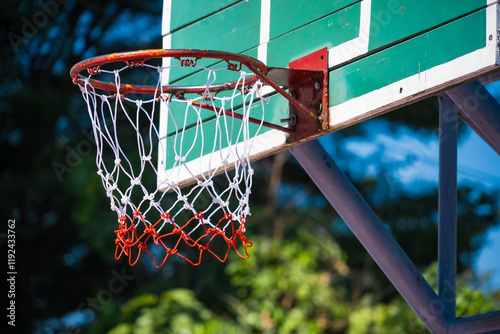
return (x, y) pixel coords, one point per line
(312, 92)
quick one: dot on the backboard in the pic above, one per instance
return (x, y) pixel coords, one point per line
(382, 54)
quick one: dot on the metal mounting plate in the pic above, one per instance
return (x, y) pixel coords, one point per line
(312, 92)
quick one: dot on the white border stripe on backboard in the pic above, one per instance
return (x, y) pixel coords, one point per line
(167, 12)
(265, 142)
(167, 44)
(265, 23)
(344, 113)
(357, 46)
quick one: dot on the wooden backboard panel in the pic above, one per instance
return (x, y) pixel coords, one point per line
(382, 53)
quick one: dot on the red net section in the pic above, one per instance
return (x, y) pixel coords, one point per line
(133, 239)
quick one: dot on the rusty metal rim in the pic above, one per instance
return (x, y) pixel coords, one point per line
(135, 58)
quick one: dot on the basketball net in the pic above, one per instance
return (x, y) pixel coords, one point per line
(154, 215)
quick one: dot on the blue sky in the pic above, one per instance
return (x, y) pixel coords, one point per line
(412, 160)
(476, 155)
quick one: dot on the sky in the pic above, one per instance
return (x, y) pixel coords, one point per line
(476, 155)
(415, 162)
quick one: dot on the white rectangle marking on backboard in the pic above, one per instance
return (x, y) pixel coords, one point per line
(166, 62)
(357, 46)
(167, 44)
(265, 23)
(261, 144)
(355, 108)
(167, 15)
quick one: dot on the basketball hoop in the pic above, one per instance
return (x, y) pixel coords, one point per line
(158, 216)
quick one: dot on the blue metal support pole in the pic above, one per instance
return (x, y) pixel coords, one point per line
(447, 216)
(482, 323)
(373, 235)
(479, 110)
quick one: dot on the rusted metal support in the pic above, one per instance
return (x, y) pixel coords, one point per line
(482, 323)
(447, 203)
(373, 235)
(479, 110)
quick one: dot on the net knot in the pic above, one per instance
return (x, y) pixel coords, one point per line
(205, 184)
(173, 185)
(198, 215)
(250, 171)
(165, 215)
(179, 158)
(166, 97)
(117, 161)
(146, 158)
(171, 251)
(188, 206)
(125, 200)
(138, 103)
(137, 213)
(135, 182)
(142, 246)
(128, 241)
(121, 220)
(149, 197)
(214, 230)
(203, 247)
(150, 229)
(228, 216)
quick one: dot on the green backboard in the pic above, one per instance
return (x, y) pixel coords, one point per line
(382, 54)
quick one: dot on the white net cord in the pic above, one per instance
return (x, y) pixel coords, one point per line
(203, 136)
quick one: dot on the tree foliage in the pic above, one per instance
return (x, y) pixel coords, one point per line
(306, 273)
(289, 285)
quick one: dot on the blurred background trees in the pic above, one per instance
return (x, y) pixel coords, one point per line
(306, 273)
